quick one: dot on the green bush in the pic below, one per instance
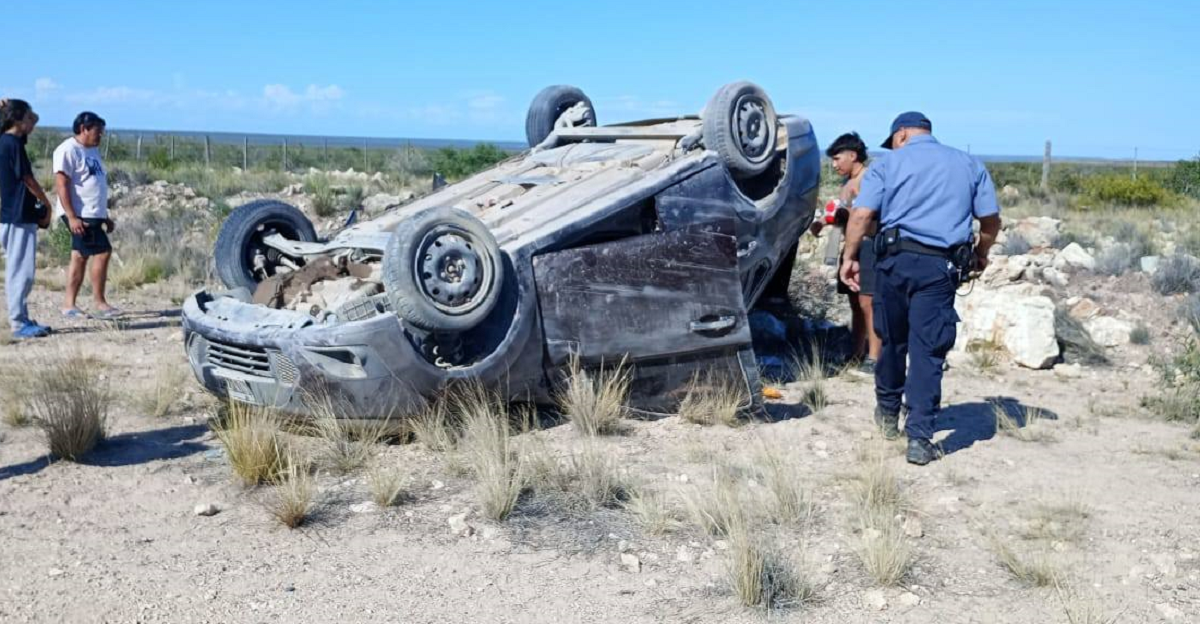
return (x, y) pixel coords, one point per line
(1120, 190)
(160, 159)
(1184, 178)
(456, 164)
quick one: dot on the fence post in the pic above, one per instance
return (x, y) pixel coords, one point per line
(366, 157)
(172, 148)
(137, 154)
(245, 153)
(108, 141)
(1046, 167)
(285, 155)
(1135, 162)
(325, 153)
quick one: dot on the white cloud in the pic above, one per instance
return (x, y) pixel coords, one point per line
(280, 96)
(115, 95)
(45, 87)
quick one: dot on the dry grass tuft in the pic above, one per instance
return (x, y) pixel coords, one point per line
(715, 399)
(715, 510)
(594, 401)
(70, 402)
(652, 511)
(788, 502)
(14, 396)
(165, 393)
(1064, 521)
(488, 450)
(985, 356)
(388, 484)
(761, 575)
(346, 446)
(435, 427)
(884, 550)
(1080, 610)
(1026, 424)
(293, 492)
(1035, 570)
(588, 480)
(254, 442)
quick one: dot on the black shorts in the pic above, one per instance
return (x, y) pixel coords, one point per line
(94, 240)
(866, 270)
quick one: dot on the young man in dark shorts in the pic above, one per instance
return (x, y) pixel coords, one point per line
(82, 186)
(848, 154)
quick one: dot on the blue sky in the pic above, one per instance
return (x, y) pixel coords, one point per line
(1097, 77)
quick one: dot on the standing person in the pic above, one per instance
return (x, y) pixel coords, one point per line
(20, 215)
(849, 156)
(83, 199)
(925, 195)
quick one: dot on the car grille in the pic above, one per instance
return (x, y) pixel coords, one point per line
(242, 358)
(285, 368)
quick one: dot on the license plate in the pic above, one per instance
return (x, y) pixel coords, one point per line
(239, 390)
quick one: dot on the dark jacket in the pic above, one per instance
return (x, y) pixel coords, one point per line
(17, 204)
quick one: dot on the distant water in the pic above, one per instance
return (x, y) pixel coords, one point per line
(236, 138)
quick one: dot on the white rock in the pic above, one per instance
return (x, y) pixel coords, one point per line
(364, 507)
(459, 525)
(721, 545)
(1084, 309)
(1165, 562)
(1021, 323)
(1076, 256)
(1054, 277)
(631, 563)
(380, 202)
(1039, 231)
(1149, 264)
(684, 554)
(489, 532)
(1068, 371)
(205, 509)
(1168, 612)
(913, 528)
(908, 599)
(875, 599)
(1108, 331)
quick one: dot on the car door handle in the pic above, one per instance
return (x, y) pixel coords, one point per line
(719, 324)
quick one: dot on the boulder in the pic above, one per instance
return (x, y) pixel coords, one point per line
(1084, 309)
(1078, 257)
(1015, 318)
(1149, 264)
(1038, 231)
(381, 202)
(1108, 331)
(1054, 277)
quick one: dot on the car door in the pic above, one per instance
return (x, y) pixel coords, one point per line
(670, 303)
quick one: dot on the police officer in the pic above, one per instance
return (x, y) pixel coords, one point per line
(925, 195)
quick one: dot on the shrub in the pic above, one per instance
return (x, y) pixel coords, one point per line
(1116, 259)
(1015, 244)
(1177, 274)
(594, 401)
(1185, 178)
(1121, 190)
(456, 163)
(715, 399)
(761, 575)
(1190, 310)
(70, 403)
(1140, 335)
(1076, 343)
(253, 442)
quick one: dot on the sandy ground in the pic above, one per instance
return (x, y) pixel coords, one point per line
(115, 539)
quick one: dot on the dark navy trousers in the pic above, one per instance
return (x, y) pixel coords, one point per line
(915, 318)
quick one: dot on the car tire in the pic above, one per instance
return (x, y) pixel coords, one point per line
(442, 270)
(741, 126)
(241, 236)
(548, 105)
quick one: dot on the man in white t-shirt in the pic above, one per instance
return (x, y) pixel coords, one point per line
(82, 186)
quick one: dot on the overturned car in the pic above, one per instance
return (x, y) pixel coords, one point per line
(647, 242)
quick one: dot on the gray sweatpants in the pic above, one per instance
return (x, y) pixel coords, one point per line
(19, 241)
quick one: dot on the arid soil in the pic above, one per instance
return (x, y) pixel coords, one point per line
(1103, 493)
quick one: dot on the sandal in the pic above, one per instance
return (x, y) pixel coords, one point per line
(74, 313)
(109, 314)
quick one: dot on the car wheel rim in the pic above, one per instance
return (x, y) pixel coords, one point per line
(752, 126)
(452, 273)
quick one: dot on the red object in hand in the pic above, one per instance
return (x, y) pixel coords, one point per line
(831, 211)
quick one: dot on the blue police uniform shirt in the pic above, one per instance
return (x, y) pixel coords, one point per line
(928, 190)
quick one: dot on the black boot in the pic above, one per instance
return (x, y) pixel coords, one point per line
(921, 452)
(889, 424)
